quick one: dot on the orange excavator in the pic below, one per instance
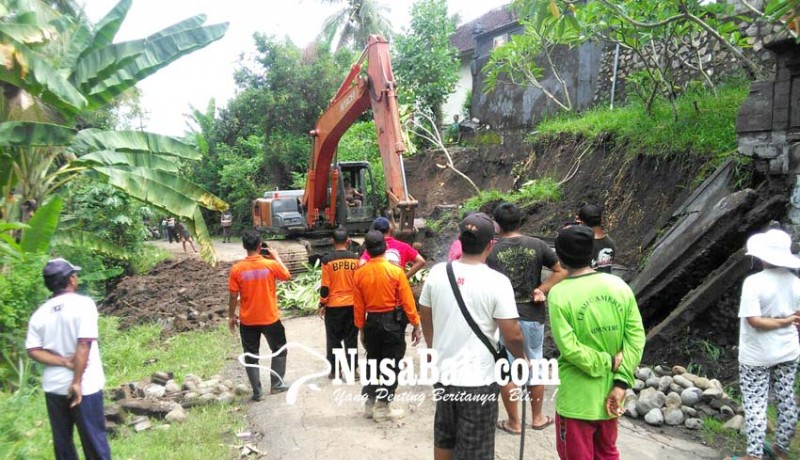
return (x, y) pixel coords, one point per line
(344, 193)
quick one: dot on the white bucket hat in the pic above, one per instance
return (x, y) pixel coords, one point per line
(773, 247)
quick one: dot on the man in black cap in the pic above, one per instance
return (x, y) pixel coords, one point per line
(466, 414)
(62, 335)
(383, 305)
(603, 247)
(596, 325)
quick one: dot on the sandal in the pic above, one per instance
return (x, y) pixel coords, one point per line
(502, 425)
(543, 425)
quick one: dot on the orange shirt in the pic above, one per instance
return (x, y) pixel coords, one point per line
(338, 269)
(379, 287)
(254, 279)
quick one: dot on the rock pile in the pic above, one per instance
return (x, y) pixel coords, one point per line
(676, 397)
(161, 397)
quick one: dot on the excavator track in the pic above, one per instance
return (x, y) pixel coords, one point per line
(293, 253)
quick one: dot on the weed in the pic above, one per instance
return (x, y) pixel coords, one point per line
(535, 191)
(711, 350)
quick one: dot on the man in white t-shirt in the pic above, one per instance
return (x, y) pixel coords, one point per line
(62, 335)
(466, 412)
(768, 342)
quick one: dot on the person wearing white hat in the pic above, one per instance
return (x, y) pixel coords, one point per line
(768, 342)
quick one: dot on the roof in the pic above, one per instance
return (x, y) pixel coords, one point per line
(464, 37)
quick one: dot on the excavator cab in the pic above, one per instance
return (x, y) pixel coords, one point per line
(357, 205)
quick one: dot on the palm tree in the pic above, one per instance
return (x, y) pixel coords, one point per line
(53, 68)
(354, 23)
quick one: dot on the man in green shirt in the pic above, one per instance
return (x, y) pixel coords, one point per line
(597, 327)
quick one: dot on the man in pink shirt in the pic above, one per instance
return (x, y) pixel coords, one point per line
(397, 252)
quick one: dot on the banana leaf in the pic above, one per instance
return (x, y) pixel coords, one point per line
(103, 275)
(186, 24)
(159, 53)
(43, 226)
(90, 140)
(89, 242)
(100, 64)
(29, 134)
(108, 27)
(25, 33)
(143, 159)
(197, 227)
(38, 77)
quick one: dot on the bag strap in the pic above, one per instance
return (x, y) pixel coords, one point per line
(477, 330)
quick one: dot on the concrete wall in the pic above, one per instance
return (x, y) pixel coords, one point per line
(455, 102)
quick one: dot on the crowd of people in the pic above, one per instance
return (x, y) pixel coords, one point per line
(488, 304)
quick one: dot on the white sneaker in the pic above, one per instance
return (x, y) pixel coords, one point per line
(385, 412)
(369, 408)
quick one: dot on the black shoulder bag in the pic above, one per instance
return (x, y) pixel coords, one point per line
(498, 352)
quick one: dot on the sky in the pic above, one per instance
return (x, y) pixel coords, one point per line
(208, 73)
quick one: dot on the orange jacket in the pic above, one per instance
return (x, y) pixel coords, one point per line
(254, 279)
(336, 288)
(379, 287)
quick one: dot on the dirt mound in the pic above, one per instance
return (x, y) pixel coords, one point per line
(182, 295)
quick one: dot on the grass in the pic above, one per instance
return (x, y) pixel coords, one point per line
(149, 257)
(207, 433)
(532, 192)
(706, 123)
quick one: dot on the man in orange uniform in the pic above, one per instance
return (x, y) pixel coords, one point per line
(383, 305)
(336, 299)
(252, 285)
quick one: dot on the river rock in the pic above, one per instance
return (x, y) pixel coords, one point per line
(711, 394)
(207, 397)
(691, 396)
(638, 385)
(176, 415)
(654, 417)
(735, 423)
(664, 383)
(723, 401)
(225, 398)
(690, 377)
(693, 424)
(171, 388)
(191, 395)
(653, 382)
(630, 409)
(678, 370)
(705, 410)
(675, 388)
(703, 383)
(662, 371)
(727, 411)
(154, 391)
(219, 389)
(241, 389)
(673, 400)
(142, 426)
(673, 416)
(650, 399)
(644, 373)
(229, 383)
(682, 381)
(189, 385)
(689, 411)
(714, 383)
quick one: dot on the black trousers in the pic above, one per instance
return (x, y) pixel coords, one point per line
(88, 417)
(251, 339)
(384, 339)
(226, 234)
(172, 234)
(341, 332)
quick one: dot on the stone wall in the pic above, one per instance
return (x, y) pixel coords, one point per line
(716, 60)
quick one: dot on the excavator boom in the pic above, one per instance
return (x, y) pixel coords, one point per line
(357, 94)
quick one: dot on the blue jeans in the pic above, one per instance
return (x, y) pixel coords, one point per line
(532, 340)
(88, 416)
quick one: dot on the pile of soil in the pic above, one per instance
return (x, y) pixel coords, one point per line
(181, 295)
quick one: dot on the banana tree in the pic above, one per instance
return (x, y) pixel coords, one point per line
(142, 165)
(52, 69)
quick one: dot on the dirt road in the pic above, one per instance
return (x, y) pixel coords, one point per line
(325, 421)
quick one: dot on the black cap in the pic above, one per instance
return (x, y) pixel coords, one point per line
(476, 229)
(375, 243)
(574, 246)
(590, 214)
(59, 267)
(381, 224)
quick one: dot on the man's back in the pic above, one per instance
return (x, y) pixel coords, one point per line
(338, 269)
(593, 317)
(488, 296)
(254, 279)
(397, 252)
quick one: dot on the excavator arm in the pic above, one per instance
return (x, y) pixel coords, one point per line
(356, 94)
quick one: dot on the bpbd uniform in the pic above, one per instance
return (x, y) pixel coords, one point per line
(336, 296)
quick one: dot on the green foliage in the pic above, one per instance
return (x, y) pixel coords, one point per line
(360, 143)
(425, 63)
(302, 291)
(705, 125)
(527, 56)
(354, 23)
(23, 415)
(542, 190)
(487, 138)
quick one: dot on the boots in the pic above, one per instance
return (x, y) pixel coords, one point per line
(369, 408)
(278, 385)
(384, 412)
(254, 376)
